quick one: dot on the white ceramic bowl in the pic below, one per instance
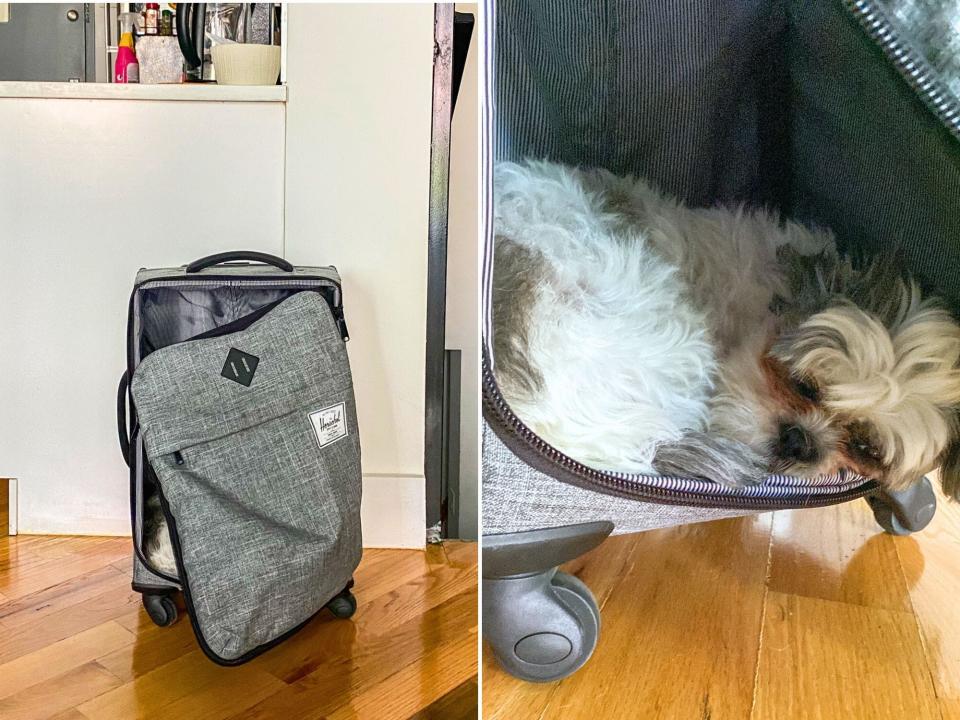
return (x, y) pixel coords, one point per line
(242, 64)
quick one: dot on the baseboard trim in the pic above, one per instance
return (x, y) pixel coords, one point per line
(392, 512)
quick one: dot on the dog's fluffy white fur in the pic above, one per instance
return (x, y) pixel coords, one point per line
(636, 334)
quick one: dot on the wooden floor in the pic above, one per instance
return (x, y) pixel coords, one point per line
(795, 614)
(75, 644)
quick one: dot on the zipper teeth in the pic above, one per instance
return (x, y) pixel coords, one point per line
(912, 65)
(622, 484)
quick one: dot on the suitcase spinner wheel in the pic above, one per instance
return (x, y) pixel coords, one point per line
(904, 512)
(161, 608)
(542, 624)
(344, 604)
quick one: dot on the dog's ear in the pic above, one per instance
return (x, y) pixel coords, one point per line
(950, 470)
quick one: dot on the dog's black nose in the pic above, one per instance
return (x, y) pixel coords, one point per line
(796, 444)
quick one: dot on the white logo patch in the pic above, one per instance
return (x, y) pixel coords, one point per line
(330, 424)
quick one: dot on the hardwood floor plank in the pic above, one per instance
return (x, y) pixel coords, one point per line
(60, 657)
(949, 709)
(15, 614)
(822, 659)
(371, 661)
(20, 580)
(458, 704)
(605, 567)
(374, 617)
(414, 687)
(931, 563)
(63, 623)
(214, 693)
(837, 553)
(152, 647)
(58, 694)
(387, 572)
(506, 698)
(415, 597)
(70, 714)
(191, 676)
(125, 565)
(460, 553)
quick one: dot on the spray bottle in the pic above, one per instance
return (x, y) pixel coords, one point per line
(126, 69)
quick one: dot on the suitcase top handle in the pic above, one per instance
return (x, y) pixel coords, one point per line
(251, 255)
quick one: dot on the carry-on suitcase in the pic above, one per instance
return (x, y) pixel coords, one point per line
(844, 113)
(236, 411)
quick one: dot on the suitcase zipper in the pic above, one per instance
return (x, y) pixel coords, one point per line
(499, 415)
(911, 65)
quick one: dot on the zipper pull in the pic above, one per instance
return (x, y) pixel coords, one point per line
(341, 323)
(177, 457)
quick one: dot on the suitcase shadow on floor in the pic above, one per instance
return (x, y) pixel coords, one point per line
(321, 658)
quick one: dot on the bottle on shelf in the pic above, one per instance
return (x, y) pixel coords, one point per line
(152, 19)
(126, 69)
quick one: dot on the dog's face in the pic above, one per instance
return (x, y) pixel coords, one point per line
(850, 391)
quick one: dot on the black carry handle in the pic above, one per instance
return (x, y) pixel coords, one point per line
(252, 255)
(122, 418)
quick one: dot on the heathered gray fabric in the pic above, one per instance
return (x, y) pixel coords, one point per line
(516, 497)
(144, 578)
(267, 520)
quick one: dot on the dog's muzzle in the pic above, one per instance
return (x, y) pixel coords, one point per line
(796, 444)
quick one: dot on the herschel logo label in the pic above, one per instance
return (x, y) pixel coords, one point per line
(330, 424)
(240, 367)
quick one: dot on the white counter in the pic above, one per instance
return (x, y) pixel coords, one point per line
(109, 91)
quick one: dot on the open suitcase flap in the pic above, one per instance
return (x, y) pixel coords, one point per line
(253, 437)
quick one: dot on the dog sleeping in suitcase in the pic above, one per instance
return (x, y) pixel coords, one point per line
(638, 335)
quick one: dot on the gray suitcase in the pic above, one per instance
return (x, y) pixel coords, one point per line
(843, 113)
(237, 409)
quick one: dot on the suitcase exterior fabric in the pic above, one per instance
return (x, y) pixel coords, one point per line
(259, 471)
(517, 497)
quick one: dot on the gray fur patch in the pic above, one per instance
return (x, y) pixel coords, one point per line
(950, 470)
(517, 272)
(879, 285)
(711, 457)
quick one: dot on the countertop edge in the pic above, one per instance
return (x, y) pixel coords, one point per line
(194, 92)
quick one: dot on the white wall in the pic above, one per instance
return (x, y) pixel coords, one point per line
(90, 191)
(359, 81)
(463, 283)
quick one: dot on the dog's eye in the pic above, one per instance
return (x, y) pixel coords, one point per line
(865, 450)
(806, 388)
(862, 443)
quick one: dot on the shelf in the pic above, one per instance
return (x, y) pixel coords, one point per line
(194, 92)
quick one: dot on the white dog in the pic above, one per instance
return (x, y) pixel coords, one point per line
(635, 334)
